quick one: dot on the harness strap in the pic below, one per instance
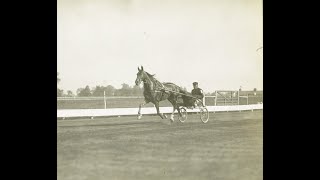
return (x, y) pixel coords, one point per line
(161, 90)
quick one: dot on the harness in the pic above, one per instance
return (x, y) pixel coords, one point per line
(164, 89)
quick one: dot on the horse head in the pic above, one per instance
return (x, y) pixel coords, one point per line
(141, 76)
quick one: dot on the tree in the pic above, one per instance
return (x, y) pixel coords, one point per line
(255, 91)
(98, 91)
(84, 92)
(118, 92)
(70, 93)
(59, 92)
(110, 90)
(137, 91)
(79, 90)
(125, 90)
(125, 86)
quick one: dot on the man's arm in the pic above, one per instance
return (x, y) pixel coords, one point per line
(201, 94)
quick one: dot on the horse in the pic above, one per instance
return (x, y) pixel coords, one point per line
(155, 91)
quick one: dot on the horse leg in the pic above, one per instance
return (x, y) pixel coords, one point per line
(172, 115)
(158, 111)
(179, 112)
(174, 105)
(139, 112)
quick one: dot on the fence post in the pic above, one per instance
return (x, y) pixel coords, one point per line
(247, 99)
(215, 99)
(104, 99)
(238, 97)
(231, 98)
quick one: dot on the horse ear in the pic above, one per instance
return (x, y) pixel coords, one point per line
(138, 68)
(142, 68)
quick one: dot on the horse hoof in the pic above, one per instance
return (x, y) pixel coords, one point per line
(171, 119)
(139, 117)
(165, 116)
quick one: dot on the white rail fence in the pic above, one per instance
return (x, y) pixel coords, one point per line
(67, 113)
(221, 97)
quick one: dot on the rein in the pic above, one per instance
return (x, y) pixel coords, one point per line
(154, 87)
(176, 93)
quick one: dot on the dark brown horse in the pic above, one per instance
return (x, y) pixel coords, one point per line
(155, 91)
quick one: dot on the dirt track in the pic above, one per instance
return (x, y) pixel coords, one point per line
(229, 146)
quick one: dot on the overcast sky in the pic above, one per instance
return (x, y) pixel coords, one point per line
(214, 42)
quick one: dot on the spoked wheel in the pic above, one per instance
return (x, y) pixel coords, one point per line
(184, 115)
(204, 114)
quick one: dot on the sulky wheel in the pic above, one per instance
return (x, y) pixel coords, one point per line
(204, 114)
(184, 114)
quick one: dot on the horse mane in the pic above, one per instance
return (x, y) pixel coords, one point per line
(150, 76)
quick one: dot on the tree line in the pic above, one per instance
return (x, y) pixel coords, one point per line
(99, 91)
(109, 90)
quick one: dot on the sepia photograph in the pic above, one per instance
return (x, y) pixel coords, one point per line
(160, 89)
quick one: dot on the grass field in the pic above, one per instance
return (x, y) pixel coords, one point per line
(228, 147)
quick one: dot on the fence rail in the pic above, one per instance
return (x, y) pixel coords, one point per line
(67, 113)
(221, 98)
(96, 98)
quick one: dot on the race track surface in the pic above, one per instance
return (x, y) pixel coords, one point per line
(228, 147)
